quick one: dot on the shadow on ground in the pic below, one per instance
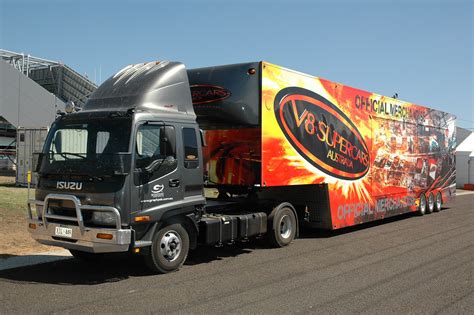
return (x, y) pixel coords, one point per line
(112, 268)
(8, 185)
(4, 256)
(118, 267)
(71, 271)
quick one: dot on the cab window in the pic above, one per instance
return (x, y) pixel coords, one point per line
(156, 150)
(190, 148)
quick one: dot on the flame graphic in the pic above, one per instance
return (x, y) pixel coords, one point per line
(283, 165)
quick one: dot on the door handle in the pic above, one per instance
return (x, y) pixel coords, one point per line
(174, 182)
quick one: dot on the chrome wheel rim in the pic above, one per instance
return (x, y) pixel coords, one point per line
(422, 204)
(170, 245)
(438, 201)
(431, 202)
(285, 226)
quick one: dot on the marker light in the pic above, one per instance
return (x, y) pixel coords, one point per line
(251, 71)
(144, 218)
(105, 236)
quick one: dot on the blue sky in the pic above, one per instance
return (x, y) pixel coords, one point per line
(421, 49)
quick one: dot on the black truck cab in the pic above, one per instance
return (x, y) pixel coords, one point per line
(110, 175)
(126, 173)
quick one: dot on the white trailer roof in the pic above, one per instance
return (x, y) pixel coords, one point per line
(467, 145)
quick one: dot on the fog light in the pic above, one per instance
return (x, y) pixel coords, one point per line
(105, 236)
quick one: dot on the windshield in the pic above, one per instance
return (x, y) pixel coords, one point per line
(90, 146)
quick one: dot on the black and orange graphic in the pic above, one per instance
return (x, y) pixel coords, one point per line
(207, 93)
(321, 133)
(233, 156)
(377, 155)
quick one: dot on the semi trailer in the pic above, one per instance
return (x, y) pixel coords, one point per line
(161, 159)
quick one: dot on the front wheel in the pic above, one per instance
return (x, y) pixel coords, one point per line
(283, 227)
(169, 249)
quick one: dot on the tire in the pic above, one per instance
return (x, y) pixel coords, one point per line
(431, 202)
(438, 202)
(422, 205)
(86, 256)
(283, 226)
(169, 249)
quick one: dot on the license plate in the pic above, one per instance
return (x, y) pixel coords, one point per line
(62, 231)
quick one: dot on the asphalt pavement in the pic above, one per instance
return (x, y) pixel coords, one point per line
(408, 264)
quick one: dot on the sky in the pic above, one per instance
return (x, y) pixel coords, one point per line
(420, 49)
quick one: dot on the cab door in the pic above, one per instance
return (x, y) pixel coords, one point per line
(157, 176)
(192, 164)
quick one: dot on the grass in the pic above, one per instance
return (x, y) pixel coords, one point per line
(15, 238)
(13, 199)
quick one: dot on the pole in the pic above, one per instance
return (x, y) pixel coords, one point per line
(28, 179)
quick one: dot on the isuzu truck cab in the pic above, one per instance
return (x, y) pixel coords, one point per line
(128, 172)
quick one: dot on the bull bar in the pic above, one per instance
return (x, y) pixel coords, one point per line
(83, 238)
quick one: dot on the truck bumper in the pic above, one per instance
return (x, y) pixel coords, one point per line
(86, 240)
(70, 231)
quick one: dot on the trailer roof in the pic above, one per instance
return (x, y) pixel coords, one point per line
(467, 145)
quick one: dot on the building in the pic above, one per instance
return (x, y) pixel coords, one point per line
(465, 163)
(33, 91)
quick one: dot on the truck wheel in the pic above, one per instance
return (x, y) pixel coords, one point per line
(86, 256)
(438, 202)
(422, 205)
(169, 249)
(283, 227)
(431, 202)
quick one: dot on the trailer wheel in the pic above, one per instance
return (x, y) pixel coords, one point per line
(438, 202)
(283, 226)
(169, 249)
(86, 256)
(431, 203)
(422, 205)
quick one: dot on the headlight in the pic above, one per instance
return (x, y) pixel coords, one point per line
(103, 218)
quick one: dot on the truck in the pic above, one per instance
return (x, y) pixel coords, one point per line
(162, 159)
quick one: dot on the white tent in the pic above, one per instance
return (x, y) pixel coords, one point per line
(465, 162)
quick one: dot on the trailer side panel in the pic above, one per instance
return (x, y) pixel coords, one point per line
(377, 154)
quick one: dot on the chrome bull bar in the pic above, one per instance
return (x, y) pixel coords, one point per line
(84, 237)
(78, 206)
